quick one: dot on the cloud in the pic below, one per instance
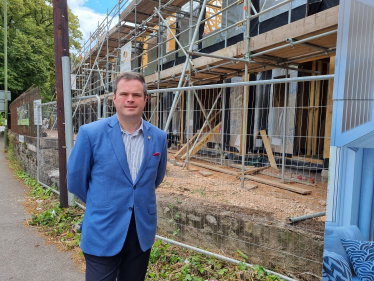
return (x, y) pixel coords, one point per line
(88, 18)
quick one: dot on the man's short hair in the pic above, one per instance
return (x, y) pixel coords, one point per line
(130, 76)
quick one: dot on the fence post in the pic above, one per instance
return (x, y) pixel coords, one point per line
(68, 113)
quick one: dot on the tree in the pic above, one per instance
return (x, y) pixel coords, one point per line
(31, 45)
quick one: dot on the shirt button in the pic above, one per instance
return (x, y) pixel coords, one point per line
(134, 186)
(130, 208)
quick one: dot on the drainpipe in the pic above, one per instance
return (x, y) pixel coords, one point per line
(306, 217)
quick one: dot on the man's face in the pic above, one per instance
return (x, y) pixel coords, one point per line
(129, 99)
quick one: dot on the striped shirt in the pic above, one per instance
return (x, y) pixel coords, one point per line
(134, 147)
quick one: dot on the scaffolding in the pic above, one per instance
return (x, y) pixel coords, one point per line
(256, 109)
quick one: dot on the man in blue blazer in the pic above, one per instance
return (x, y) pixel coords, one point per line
(115, 167)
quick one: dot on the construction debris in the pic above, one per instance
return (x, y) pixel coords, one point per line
(205, 173)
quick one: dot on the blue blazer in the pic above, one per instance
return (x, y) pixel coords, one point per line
(99, 175)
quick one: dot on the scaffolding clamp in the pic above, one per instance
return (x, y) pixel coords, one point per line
(290, 40)
(239, 2)
(246, 56)
(239, 24)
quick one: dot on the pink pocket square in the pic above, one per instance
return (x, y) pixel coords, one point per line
(156, 154)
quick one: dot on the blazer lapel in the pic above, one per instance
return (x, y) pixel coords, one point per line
(148, 148)
(115, 137)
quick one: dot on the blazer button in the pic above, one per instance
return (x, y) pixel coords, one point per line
(130, 208)
(134, 186)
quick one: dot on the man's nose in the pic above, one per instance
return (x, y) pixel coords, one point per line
(130, 98)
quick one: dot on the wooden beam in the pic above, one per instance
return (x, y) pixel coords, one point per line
(254, 170)
(213, 168)
(203, 141)
(329, 109)
(182, 118)
(310, 113)
(288, 187)
(269, 151)
(306, 159)
(206, 129)
(317, 122)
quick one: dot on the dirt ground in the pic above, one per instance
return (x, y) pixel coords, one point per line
(223, 191)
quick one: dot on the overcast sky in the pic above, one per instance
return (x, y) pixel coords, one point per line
(89, 13)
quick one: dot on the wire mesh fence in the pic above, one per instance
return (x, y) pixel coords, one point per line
(84, 110)
(47, 146)
(247, 184)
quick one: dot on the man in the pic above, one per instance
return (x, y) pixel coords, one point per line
(115, 166)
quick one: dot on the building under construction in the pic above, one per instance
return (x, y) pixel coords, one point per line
(243, 89)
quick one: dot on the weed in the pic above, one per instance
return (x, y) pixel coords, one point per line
(178, 215)
(170, 262)
(201, 192)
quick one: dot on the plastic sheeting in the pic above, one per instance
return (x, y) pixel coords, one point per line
(152, 55)
(184, 23)
(163, 47)
(236, 113)
(229, 17)
(278, 11)
(261, 107)
(276, 115)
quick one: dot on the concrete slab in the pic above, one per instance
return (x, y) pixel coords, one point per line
(23, 252)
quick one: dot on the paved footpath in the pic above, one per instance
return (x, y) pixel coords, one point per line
(23, 253)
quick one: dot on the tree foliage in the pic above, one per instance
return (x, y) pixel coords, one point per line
(31, 45)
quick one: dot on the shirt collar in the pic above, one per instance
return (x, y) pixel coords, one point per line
(137, 132)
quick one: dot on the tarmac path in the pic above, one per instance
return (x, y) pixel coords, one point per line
(23, 252)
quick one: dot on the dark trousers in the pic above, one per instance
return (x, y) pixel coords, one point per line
(130, 264)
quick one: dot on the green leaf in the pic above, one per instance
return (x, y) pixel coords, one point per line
(241, 254)
(259, 269)
(242, 266)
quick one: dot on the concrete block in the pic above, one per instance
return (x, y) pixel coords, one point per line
(205, 173)
(325, 174)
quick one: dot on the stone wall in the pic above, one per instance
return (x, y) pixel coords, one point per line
(25, 152)
(271, 245)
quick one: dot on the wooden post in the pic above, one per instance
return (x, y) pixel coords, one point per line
(316, 122)
(329, 108)
(310, 113)
(61, 43)
(269, 151)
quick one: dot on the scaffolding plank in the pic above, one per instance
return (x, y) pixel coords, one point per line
(269, 151)
(316, 24)
(213, 168)
(292, 188)
(254, 170)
